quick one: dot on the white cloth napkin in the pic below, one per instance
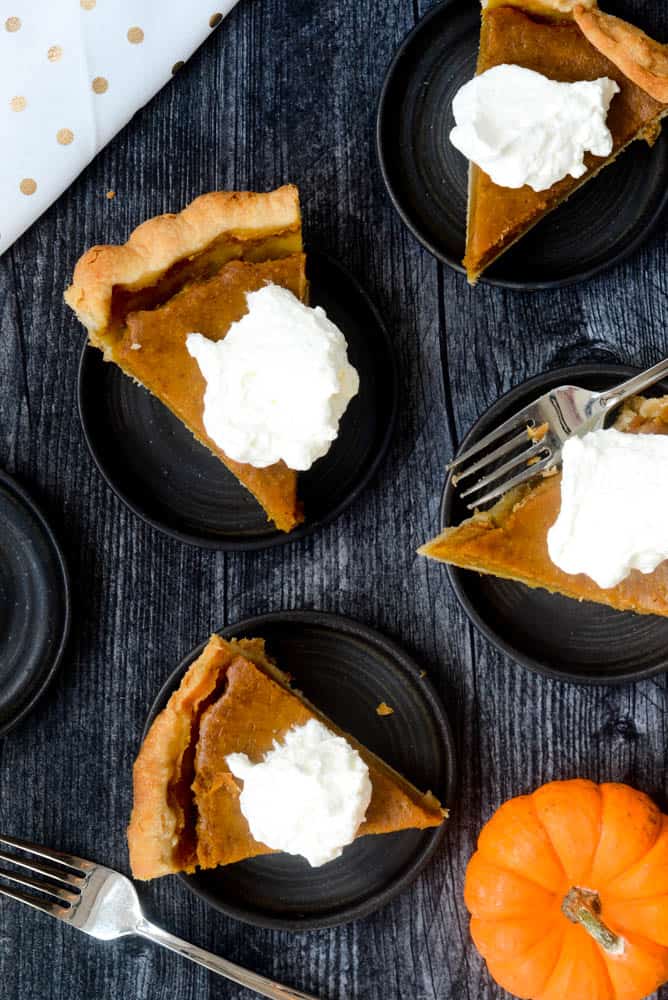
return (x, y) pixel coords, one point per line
(72, 73)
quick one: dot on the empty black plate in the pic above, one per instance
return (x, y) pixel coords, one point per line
(153, 463)
(427, 177)
(34, 603)
(346, 669)
(554, 635)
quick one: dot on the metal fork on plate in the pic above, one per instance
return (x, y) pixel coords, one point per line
(104, 904)
(530, 442)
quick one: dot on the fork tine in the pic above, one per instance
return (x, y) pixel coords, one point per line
(517, 420)
(504, 449)
(79, 865)
(63, 895)
(509, 484)
(59, 876)
(504, 469)
(53, 909)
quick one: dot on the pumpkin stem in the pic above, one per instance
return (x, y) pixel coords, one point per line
(582, 906)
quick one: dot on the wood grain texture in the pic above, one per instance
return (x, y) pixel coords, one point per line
(286, 90)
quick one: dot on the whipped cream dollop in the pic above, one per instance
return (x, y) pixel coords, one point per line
(522, 128)
(308, 796)
(279, 382)
(612, 518)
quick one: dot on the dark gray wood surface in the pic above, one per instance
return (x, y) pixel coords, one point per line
(286, 90)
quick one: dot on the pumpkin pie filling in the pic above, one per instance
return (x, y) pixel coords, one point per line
(510, 539)
(545, 38)
(151, 348)
(191, 272)
(234, 699)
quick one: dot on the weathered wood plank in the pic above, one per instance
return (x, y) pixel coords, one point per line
(287, 91)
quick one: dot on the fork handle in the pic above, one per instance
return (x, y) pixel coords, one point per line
(243, 977)
(611, 398)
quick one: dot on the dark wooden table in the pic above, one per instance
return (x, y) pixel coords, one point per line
(286, 90)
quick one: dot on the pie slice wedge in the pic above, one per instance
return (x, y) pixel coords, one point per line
(233, 699)
(185, 273)
(565, 41)
(510, 539)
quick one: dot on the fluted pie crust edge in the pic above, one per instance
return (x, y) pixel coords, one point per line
(159, 243)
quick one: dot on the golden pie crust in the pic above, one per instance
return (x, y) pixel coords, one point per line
(190, 272)
(510, 539)
(565, 41)
(543, 8)
(244, 217)
(639, 57)
(233, 699)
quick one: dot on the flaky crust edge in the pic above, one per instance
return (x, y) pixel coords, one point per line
(642, 59)
(558, 8)
(154, 831)
(159, 242)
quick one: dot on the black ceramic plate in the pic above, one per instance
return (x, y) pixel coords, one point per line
(34, 603)
(568, 640)
(346, 669)
(427, 177)
(153, 463)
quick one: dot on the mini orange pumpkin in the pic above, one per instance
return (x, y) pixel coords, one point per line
(568, 893)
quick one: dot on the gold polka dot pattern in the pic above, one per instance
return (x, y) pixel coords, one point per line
(76, 61)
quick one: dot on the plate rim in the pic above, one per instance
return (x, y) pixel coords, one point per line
(516, 285)
(456, 575)
(48, 675)
(276, 538)
(349, 627)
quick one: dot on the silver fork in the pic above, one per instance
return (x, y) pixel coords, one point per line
(532, 439)
(104, 904)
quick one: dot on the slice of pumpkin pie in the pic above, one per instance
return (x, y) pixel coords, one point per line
(234, 705)
(566, 41)
(192, 272)
(510, 540)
